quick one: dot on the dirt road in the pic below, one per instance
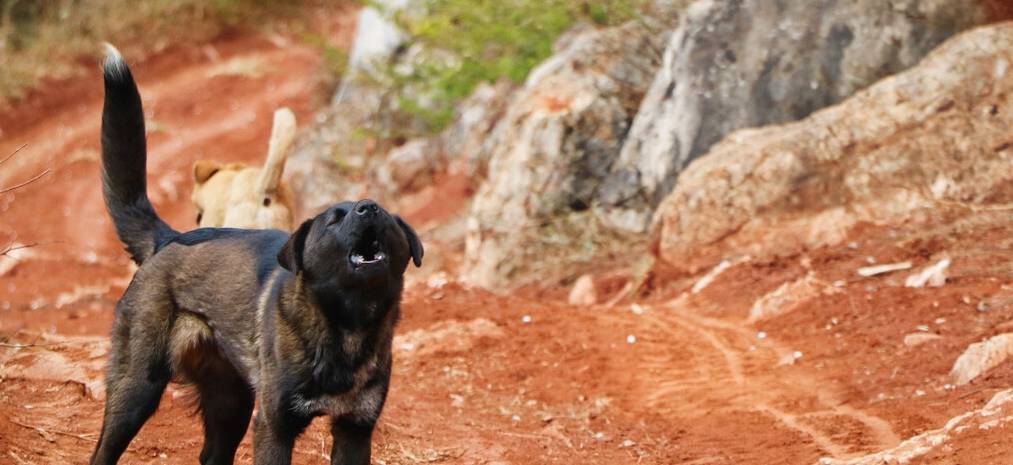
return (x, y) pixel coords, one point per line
(676, 376)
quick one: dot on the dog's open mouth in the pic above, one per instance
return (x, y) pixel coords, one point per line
(367, 250)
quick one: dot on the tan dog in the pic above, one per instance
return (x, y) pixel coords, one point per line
(235, 195)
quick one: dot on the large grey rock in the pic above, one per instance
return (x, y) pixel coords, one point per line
(325, 157)
(331, 159)
(561, 133)
(375, 45)
(936, 134)
(462, 149)
(744, 63)
(466, 144)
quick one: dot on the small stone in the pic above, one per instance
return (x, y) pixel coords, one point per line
(437, 281)
(631, 339)
(933, 275)
(526, 319)
(583, 292)
(881, 269)
(917, 339)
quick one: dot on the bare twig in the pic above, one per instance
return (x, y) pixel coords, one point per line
(11, 247)
(44, 432)
(18, 345)
(15, 152)
(36, 178)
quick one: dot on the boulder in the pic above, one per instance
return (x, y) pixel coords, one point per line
(936, 133)
(551, 150)
(980, 357)
(789, 297)
(324, 158)
(464, 145)
(461, 149)
(734, 64)
(331, 158)
(409, 166)
(376, 38)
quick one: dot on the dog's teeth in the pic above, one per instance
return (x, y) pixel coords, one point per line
(358, 259)
(379, 256)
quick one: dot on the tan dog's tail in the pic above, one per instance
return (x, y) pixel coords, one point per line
(282, 136)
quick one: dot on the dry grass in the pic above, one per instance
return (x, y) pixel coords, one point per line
(45, 39)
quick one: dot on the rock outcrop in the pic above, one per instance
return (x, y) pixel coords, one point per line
(561, 133)
(939, 132)
(461, 149)
(330, 159)
(734, 64)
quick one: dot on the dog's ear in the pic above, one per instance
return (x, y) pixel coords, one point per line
(204, 169)
(290, 255)
(414, 244)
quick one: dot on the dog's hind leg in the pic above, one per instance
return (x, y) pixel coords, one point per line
(226, 403)
(138, 371)
(226, 400)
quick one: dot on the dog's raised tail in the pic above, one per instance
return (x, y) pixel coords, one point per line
(124, 156)
(282, 135)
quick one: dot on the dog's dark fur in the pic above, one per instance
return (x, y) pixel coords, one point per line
(301, 324)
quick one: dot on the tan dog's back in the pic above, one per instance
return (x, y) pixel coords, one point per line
(240, 196)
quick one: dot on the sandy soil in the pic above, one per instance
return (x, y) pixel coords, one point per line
(672, 376)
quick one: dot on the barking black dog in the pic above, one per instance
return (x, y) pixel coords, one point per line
(301, 324)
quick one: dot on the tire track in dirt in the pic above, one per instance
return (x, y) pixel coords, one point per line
(730, 371)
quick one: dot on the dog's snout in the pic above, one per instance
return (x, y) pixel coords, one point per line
(366, 208)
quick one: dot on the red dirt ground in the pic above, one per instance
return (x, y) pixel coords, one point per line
(519, 379)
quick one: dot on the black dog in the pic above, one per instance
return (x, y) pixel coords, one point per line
(301, 324)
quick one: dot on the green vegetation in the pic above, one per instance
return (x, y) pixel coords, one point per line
(467, 42)
(44, 38)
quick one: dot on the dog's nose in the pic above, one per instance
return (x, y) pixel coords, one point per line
(366, 207)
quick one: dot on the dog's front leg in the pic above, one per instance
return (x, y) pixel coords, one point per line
(352, 439)
(274, 433)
